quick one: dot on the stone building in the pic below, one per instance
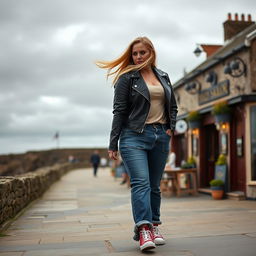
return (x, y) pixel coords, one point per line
(227, 76)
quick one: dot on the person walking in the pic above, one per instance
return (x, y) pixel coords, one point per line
(144, 118)
(95, 161)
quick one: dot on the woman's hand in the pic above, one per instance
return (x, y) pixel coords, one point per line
(169, 132)
(113, 154)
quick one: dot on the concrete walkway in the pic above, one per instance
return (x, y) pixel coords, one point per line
(83, 215)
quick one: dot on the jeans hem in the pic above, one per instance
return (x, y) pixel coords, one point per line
(157, 222)
(136, 236)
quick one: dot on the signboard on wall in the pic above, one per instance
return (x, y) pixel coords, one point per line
(214, 92)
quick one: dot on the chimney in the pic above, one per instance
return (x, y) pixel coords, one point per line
(233, 27)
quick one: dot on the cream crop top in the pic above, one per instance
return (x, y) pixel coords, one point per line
(157, 99)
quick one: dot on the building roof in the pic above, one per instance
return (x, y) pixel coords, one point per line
(232, 46)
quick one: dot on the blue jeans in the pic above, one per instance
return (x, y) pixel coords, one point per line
(144, 156)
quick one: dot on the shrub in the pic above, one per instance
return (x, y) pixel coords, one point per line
(222, 160)
(191, 160)
(190, 163)
(216, 183)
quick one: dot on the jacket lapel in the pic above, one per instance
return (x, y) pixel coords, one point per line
(163, 78)
(140, 86)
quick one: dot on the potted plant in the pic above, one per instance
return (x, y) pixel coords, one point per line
(190, 163)
(222, 160)
(217, 187)
(193, 119)
(221, 170)
(221, 112)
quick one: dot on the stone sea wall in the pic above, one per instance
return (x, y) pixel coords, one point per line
(16, 192)
(15, 164)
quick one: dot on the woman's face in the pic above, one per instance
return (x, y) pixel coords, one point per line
(140, 53)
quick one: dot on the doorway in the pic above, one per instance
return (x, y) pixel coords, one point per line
(210, 153)
(179, 146)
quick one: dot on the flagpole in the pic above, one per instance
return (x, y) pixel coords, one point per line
(57, 138)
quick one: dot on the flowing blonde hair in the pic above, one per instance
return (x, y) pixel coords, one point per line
(125, 64)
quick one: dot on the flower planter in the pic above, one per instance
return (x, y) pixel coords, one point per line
(193, 124)
(217, 193)
(222, 118)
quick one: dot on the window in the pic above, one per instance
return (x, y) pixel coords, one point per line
(253, 141)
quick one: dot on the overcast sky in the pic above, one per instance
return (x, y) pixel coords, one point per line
(48, 79)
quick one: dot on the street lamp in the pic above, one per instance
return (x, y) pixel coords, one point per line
(197, 51)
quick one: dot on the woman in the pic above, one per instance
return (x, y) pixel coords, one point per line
(144, 119)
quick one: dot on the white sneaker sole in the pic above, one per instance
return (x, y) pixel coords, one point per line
(148, 246)
(159, 241)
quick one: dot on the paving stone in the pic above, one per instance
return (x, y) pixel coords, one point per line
(20, 242)
(81, 215)
(51, 240)
(67, 252)
(11, 253)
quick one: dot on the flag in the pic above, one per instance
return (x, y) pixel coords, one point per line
(56, 136)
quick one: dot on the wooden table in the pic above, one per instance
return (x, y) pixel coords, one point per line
(175, 174)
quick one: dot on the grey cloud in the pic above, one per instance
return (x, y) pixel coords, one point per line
(40, 57)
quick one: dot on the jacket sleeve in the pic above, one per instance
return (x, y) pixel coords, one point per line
(174, 108)
(120, 110)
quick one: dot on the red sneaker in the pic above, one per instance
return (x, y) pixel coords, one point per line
(156, 236)
(146, 242)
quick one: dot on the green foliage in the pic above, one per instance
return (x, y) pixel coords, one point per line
(190, 163)
(216, 183)
(191, 160)
(186, 166)
(221, 108)
(222, 160)
(193, 116)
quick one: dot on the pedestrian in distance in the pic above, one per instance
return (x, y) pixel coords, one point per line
(144, 118)
(95, 161)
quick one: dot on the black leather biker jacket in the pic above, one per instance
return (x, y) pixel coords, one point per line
(132, 103)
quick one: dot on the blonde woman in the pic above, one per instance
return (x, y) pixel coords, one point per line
(144, 118)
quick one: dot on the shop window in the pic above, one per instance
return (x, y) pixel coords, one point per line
(253, 141)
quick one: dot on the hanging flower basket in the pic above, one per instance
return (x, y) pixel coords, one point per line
(194, 119)
(221, 112)
(194, 124)
(222, 118)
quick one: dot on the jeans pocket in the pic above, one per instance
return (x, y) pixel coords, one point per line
(131, 139)
(165, 128)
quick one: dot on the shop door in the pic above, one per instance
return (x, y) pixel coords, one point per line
(179, 145)
(211, 152)
(237, 163)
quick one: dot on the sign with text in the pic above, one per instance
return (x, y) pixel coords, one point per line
(215, 92)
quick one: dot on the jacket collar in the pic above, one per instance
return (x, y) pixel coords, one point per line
(140, 85)
(136, 73)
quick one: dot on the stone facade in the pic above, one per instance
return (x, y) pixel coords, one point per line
(210, 83)
(17, 192)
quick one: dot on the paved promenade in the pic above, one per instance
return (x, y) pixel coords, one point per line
(83, 215)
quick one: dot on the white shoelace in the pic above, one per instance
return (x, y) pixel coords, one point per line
(146, 234)
(156, 231)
